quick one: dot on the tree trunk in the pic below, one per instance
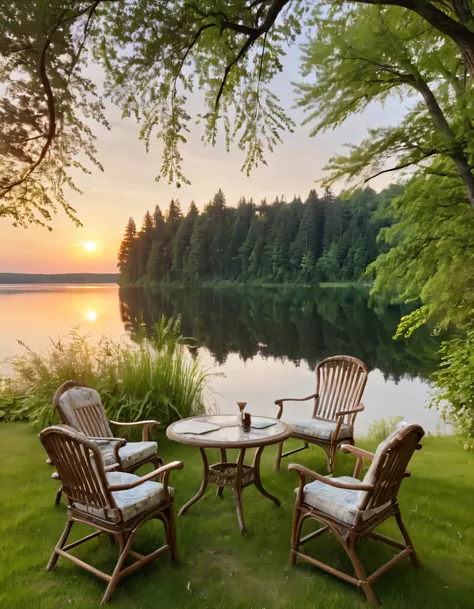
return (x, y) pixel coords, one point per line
(459, 32)
(453, 147)
(455, 30)
(467, 51)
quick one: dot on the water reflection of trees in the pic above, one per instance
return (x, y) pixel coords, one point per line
(297, 324)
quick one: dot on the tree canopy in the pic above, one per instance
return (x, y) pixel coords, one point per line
(154, 55)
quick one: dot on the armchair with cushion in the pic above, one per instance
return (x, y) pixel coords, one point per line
(81, 408)
(112, 502)
(340, 383)
(352, 509)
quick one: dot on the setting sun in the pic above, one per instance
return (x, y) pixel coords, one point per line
(91, 315)
(90, 246)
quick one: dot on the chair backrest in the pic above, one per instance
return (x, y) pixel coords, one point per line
(79, 464)
(340, 383)
(389, 465)
(81, 408)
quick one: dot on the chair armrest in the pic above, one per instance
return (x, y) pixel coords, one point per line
(119, 442)
(101, 440)
(164, 469)
(147, 425)
(304, 471)
(341, 413)
(280, 401)
(361, 454)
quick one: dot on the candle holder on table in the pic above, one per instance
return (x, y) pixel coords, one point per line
(246, 421)
(241, 406)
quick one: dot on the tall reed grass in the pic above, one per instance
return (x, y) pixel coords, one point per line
(157, 377)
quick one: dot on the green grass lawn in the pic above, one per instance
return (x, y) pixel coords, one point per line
(220, 569)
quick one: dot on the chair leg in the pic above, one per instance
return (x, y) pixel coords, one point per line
(360, 573)
(353, 542)
(408, 542)
(61, 543)
(331, 457)
(118, 567)
(296, 527)
(172, 542)
(278, 457)
(57, 501)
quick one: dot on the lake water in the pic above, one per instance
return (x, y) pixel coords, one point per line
(265, 341)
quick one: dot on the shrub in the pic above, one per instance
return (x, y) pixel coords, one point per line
(382, 428)
(454, 385)
(157, 377)
(11, 406)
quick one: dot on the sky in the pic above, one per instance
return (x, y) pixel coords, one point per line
(127, 187)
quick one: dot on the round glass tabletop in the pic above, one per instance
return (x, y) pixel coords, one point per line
(226, 431)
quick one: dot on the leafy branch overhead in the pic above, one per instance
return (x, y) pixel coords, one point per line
(154, 56)
(354, 67)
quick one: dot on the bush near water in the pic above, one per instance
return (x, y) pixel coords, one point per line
(158, 377)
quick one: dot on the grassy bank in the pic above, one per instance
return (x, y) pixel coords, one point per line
(219, 568)
(247, 284)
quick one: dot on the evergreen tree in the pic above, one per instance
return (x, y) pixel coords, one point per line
(182, 243)
(126, 244)
(219, 236)
(306, 239)
(198, 259)
(240, 227)
(145, 237)
(174, 217)
(156, 267)
(158, 220)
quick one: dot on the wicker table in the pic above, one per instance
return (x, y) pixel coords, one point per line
(230, 434)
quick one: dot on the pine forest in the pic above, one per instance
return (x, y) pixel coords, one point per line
(320, 239)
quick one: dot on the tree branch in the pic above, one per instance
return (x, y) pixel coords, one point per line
(248, 43)
(257, 103)
(189, 48)
(458, 32)
(402, 166)
(50, 102)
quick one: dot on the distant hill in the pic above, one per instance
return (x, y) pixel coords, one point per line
(59, 278)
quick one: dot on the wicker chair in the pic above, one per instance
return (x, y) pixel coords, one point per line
(113, 502)
(81, 408)
(352, 509)
(340, 383)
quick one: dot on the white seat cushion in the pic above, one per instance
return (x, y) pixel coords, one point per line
(344, 504)
(322, 429)
(131, 502)
(340, 503)
(130, 454)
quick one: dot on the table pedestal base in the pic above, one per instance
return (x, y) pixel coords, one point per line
(234, 475)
